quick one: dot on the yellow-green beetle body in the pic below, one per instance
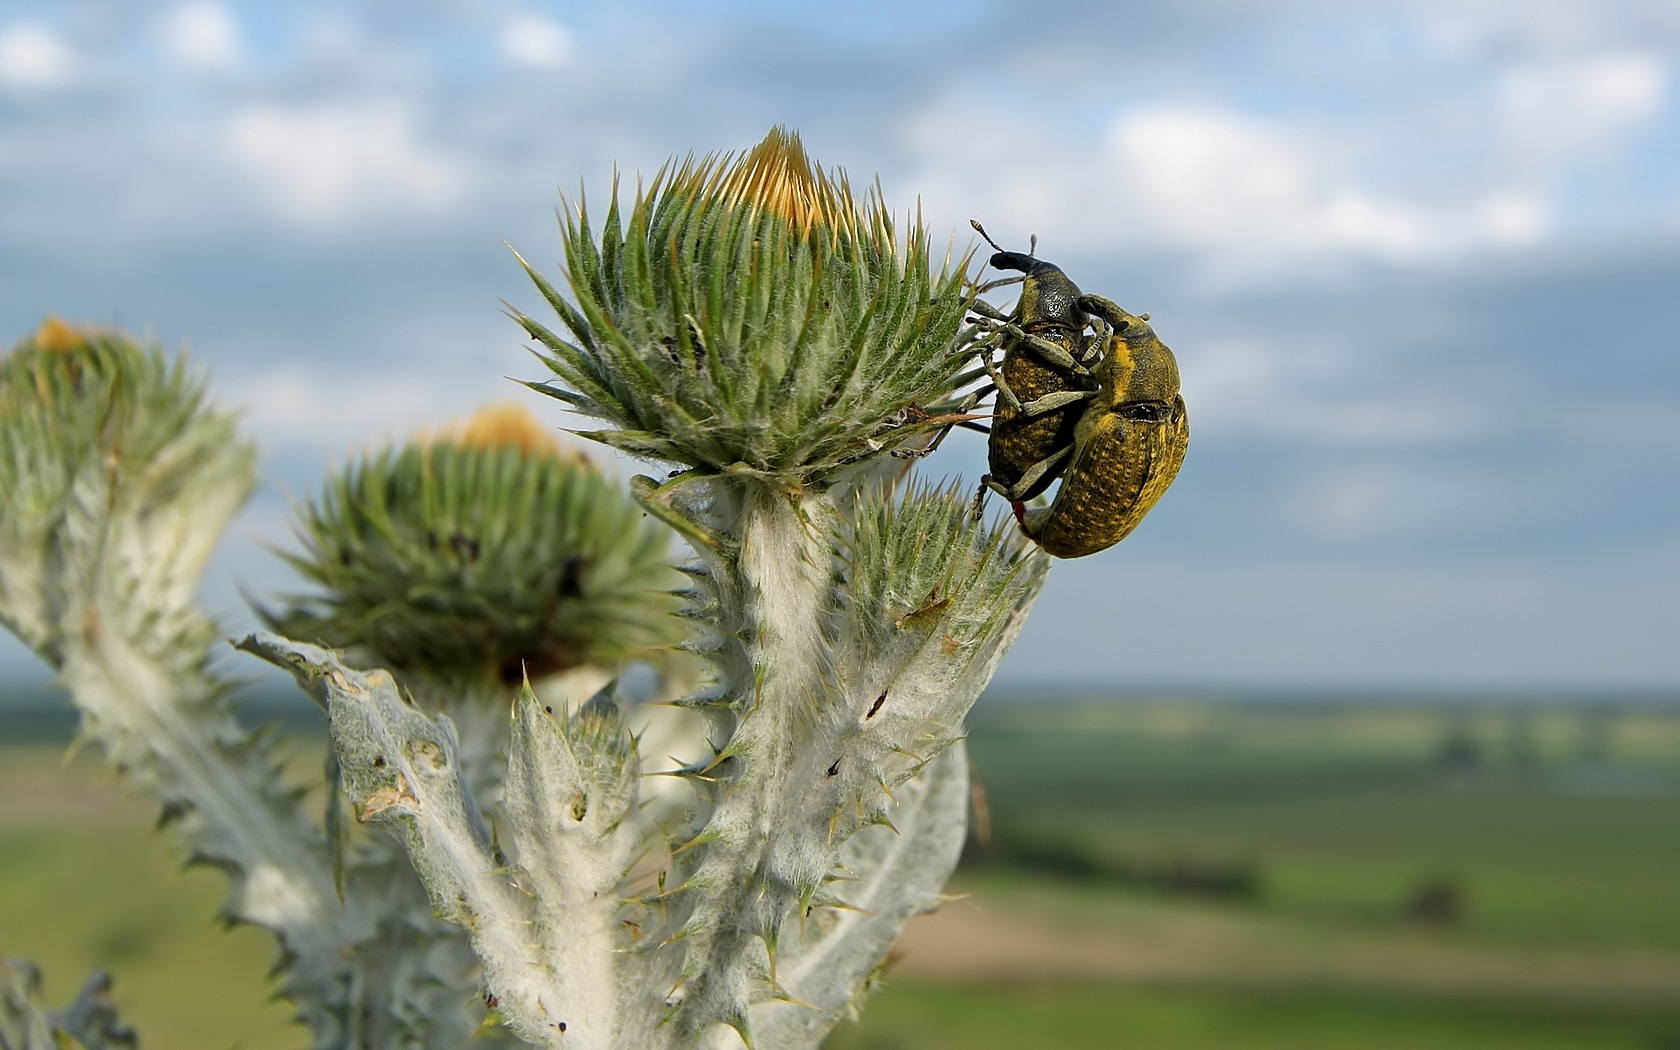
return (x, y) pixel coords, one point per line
(1128, 443)
(1022, 439)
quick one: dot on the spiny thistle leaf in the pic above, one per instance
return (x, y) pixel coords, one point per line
(119, 480)
(88, 1023)
(828, 962)
(549, 935)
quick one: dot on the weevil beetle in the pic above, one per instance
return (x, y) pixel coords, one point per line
(1128, 443)
(1042, 379)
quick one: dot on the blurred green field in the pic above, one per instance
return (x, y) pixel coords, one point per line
(1168, 874)
(1552, 828)
(86, 883)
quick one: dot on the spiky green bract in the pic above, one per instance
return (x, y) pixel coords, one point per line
(851, 636)
(119, 479)
(471, 565)
(749, 314)
(90, 1022)
(547, 921)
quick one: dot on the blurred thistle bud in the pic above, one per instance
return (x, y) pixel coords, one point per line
(118, 478)
(750, 315)
(481, 553)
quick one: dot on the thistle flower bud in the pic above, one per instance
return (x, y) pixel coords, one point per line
(119, 478)
(117, 475)
(480, 553)
(751, 315)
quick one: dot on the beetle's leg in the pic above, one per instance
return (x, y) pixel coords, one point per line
(1051, 402)
(1004, 394)
(1091, 346)
(1056, 462)
(985, 309)
(990, 369)
(1001, 282)
(1052, 353)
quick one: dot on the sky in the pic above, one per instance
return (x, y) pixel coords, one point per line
(1419, 261)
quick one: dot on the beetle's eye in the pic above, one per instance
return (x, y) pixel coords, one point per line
(1145, 411)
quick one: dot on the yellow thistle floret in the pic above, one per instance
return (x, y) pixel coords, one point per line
(500, 425)
(775, 176)
(58, 336)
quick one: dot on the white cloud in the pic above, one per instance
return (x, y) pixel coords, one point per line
(1475, 160)
(1375, 501)
(1223, 182)
(1553, 109)
(201, 36)
(323, 409)
(1249, 197)
(532, 40)
(336, 163)
(1248, 389)
(32, 56)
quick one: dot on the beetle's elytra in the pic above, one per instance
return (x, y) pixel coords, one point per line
(1128, 442)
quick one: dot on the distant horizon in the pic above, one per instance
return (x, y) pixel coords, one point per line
(267, 695)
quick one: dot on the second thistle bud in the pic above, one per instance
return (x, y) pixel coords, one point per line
(479, 554)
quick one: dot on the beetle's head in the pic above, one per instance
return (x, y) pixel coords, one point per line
(1018, 261)
(1049, 298)
(1139, 367)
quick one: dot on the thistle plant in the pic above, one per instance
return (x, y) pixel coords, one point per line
(90, 1022)
(785, 349)
(120, 477)
(751, 322)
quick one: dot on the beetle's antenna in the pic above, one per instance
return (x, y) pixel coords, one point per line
(1032, 246)
(982, 231)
